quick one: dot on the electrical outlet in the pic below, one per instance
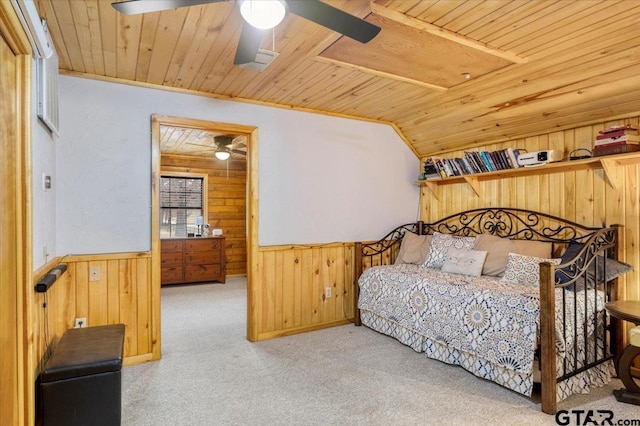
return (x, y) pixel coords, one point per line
(94, 273)
(81, 323)
(327, 292)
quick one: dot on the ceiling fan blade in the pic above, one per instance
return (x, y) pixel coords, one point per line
(248, 45)
(202, 144)
(237, 151)
(133, 7)
(334, 19)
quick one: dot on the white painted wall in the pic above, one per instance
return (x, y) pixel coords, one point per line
(321, 179)
(43, 160)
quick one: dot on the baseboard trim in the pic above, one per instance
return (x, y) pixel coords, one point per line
(137, 359)
(303, 329)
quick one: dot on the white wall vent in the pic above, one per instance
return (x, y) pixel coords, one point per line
(47, 91)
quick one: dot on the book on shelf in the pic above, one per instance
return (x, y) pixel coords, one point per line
(626, 128)
(487, 161)
(472, 162)
(513, 156)
(614, 149)
(621, 139)
(616, 134)
(430, 170)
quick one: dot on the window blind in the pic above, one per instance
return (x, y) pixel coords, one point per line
(181, 201)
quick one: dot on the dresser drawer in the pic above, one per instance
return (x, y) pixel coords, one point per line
(202, 272)
(172, 246)
(190, 260)
(201, 257)
(171, 275)
(202, 244)
(171, 259)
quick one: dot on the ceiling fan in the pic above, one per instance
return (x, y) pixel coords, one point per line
(253, 11)
(224, 146)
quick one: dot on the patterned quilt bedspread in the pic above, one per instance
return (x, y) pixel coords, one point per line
(487, 326)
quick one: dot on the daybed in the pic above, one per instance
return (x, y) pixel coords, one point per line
(536, 301)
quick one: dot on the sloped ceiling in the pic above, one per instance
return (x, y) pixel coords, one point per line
(533, 65)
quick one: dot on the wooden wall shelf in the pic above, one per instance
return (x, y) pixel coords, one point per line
(610, 164)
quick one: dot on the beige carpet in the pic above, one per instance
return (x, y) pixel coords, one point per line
(210, 374)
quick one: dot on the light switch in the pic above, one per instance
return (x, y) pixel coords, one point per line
(46, 182)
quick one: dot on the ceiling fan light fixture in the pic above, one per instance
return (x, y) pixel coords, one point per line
(222, 154)
(263, 14)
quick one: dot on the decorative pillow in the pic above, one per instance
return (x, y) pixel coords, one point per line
(498, 250)
(414, 248)
(440, 243)
(532, 248)
(525, 269)
(572, 250)
(465, 262)
(614, 268)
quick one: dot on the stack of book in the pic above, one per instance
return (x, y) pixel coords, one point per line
(430, 171)
(616, 140)
(474, 162)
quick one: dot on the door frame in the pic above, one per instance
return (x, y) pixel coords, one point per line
(23, 398)
(251, 133)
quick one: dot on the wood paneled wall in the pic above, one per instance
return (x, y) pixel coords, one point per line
(582, 196)
(120, 295)
(227, 201)
(291, 285)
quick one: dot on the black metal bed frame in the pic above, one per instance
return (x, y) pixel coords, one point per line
(523, 224)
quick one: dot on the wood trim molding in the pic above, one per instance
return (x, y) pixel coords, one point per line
(103, 256)
(253, 287)
(155, 325)
(380, 73)
(23, 399)
(441, 32)
(251, 133)
(217, 96)
(303, 329)
(12, 31)
(235, 99)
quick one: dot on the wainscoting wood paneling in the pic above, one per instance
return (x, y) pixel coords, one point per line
(226, 201)
(292, 282)
(584, 196)
(120, 295)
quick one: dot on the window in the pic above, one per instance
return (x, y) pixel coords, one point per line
(181, 201)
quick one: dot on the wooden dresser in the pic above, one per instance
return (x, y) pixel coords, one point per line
(190, 260)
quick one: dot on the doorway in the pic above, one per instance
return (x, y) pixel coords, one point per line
(204, 154)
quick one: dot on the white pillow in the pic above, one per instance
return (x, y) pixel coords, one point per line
(441, 243)
(465, 262)
(525, 269)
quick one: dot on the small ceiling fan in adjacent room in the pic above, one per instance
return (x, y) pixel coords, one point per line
(266, 14)
(225, 145)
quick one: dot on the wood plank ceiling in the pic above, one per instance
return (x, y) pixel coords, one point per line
(560, 62)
